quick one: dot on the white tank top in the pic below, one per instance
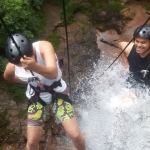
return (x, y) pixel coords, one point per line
(24, 75)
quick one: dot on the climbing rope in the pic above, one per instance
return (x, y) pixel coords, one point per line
(68, 59)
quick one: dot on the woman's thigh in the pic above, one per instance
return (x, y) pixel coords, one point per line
(36, 113)
(71, 127)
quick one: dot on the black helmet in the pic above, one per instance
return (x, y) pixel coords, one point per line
(23, 42)
(143, 33)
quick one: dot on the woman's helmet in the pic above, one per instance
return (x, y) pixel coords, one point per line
(24, 44)
(143, 33)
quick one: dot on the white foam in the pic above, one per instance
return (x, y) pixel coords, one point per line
(112, 117)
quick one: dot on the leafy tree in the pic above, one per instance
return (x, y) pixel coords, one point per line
(3, 62)
(20, 16)
(36, 3)
(60, 2)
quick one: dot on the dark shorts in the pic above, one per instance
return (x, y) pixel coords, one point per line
(37, 113)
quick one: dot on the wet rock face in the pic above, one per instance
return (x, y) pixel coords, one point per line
(124, 1)
(83, 51)
(125, 12)
(101, 15)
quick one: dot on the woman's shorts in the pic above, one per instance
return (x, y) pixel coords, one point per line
(37, 113)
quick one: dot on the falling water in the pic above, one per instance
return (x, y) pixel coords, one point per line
(108, 120)
(110, 116)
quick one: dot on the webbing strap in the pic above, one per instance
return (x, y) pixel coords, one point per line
(35, 99)
(61, 96)
(44, 88)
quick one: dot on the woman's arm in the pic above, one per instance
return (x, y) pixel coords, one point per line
(49, 71)
(9, 74)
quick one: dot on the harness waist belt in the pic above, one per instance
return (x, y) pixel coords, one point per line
(44, 88)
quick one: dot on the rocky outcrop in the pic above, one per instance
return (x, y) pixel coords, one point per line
(83, 51)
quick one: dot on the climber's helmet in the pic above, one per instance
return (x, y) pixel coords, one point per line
(143, 33)
(23, 43)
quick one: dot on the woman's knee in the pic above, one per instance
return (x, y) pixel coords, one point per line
(33, 140)
(32, 143)
(75, 135)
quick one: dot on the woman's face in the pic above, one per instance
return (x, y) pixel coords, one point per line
(141, 45)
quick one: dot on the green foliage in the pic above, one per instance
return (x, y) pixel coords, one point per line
(19, 16)
(116, 6)
(60, 2)
(18, 92)
(22, 113)
(54, 38)
(71, 9)
(94, 2)
(4, 132)
(104, 14)
(77, 57)
(147, 7)
(36, 3)
(4, 119)
(102, 26)
(3, 62)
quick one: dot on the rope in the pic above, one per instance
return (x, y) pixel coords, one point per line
(65, 21)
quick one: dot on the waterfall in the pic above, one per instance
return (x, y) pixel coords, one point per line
(108, 119)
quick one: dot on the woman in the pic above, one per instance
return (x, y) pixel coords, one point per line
(37, 66)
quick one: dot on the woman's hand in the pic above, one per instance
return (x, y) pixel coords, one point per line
(28, 63)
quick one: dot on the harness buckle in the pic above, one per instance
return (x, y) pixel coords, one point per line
(33, 78)
(144, 72)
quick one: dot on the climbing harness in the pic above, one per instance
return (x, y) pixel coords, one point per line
(144, 72)
(44, 88)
